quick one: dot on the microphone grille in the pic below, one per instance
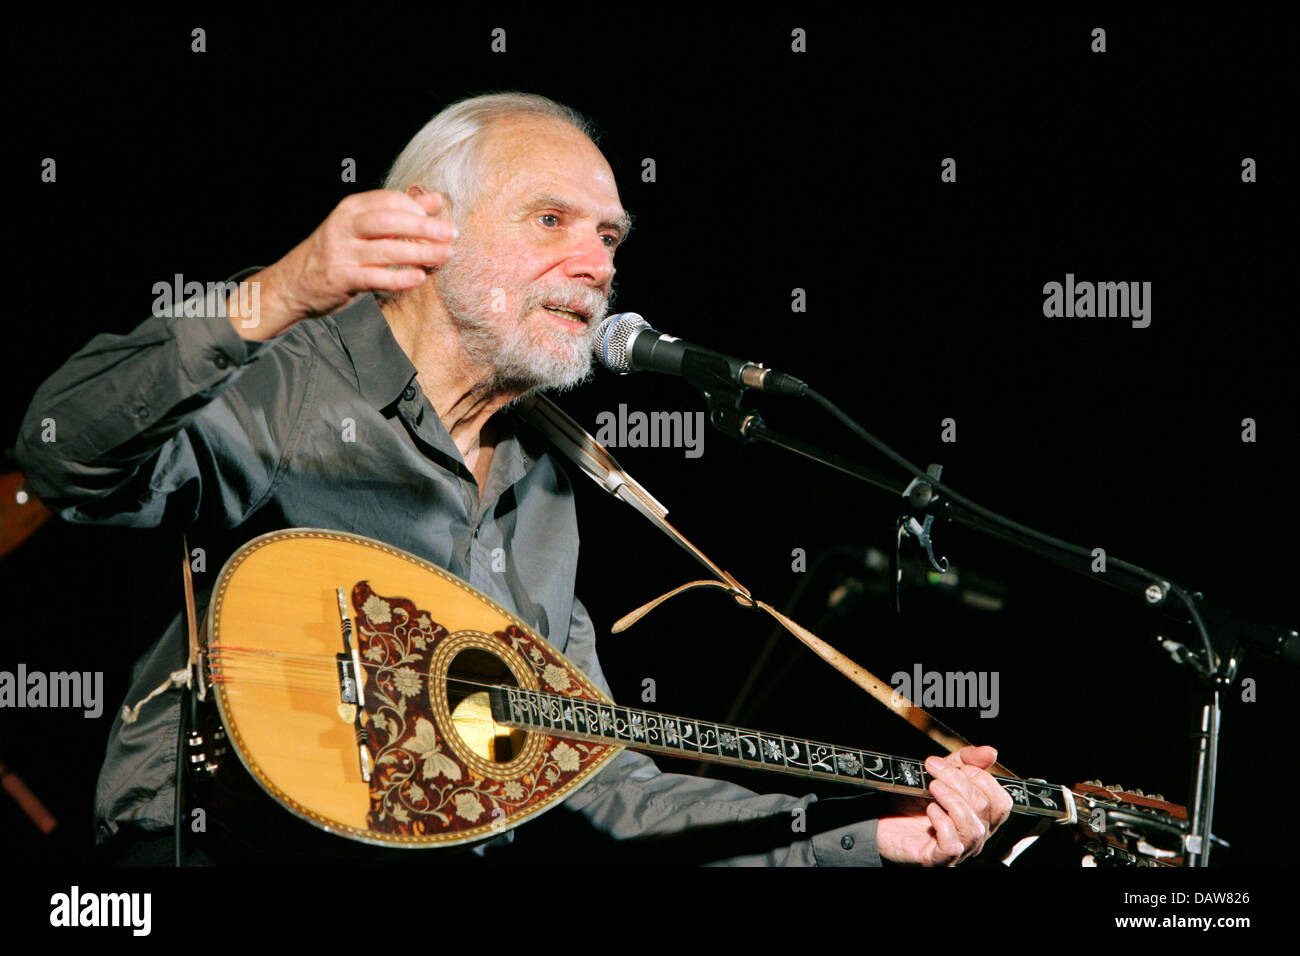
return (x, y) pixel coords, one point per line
(612, 338)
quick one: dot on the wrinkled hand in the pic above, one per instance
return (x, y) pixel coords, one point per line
(968, 806)
(351, 252)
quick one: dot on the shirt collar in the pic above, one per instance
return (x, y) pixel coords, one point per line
(382, 369)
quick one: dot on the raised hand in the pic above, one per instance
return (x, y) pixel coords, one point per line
(348, 254)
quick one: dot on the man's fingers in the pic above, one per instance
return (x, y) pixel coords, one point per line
(430, 202)
(998, 798)
(385, 199)
(401, 223)
(377, 277)
(964, 803)
(974, 762)
(948, 844)
(982, 757)
(955, 778)
(350, 252)
(970, 828)
(425, 204)
(395, 252)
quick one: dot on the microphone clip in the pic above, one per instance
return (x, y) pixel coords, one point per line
(726, 413)
(920, 495)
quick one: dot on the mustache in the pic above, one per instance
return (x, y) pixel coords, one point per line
(590, 302)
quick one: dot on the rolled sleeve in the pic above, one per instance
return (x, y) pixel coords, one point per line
(120, 426)
(208, 344)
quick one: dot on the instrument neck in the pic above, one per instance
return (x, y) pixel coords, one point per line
(562, 716)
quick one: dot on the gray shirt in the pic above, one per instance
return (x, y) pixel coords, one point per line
(184, 423)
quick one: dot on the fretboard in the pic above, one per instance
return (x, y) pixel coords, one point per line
(562, 716)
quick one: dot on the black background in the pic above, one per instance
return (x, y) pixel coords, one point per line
(775, 171)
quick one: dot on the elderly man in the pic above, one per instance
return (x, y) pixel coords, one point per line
(370, 390)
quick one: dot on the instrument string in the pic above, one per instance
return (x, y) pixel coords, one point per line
(265, 678)
(322, 679)
(303, 667)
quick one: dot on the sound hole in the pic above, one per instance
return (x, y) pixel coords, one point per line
(471, 709)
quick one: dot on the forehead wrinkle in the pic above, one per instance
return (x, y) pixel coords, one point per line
(512, 161)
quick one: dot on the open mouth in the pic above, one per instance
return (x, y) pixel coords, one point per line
(566, 314)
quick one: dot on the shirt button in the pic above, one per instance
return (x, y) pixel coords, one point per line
(408, 393)
(846, 842)
(221, 361)
(141, 411)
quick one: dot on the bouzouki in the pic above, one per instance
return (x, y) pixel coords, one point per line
(378, 698)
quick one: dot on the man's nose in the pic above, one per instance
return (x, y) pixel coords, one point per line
(591, 259)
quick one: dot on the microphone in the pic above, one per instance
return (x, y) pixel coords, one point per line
(626, 343)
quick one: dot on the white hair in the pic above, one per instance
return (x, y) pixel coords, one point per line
(445, 155)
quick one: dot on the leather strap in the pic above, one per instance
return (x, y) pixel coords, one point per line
(918, 717)
(190, 675)
(193, 666)
(592, 457)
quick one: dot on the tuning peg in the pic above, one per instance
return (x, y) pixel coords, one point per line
(1157, 796)
(1137, 793)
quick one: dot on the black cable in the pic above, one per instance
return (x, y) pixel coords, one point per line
(1211, 658)
(1211, 673)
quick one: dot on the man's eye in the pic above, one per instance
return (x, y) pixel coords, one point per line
(611, 242)
(550, 215)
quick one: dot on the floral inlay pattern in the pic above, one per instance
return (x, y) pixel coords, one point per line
(419, 785)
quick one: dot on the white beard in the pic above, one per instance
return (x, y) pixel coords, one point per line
(523, 353)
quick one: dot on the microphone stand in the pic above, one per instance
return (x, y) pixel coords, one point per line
(1214, 669)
